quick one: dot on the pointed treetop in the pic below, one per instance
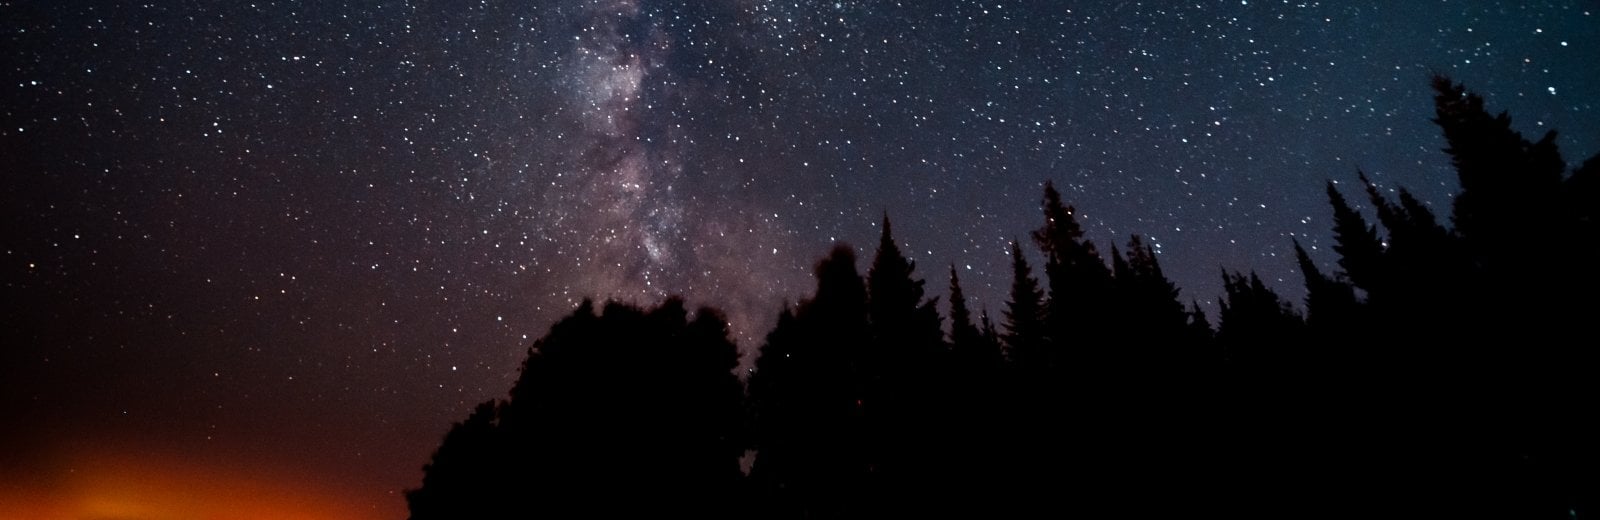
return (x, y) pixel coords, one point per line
(1308, 268)
(1360, 250)
(1024, 314)
(1061, 238)
(893, 291)
(962, 331)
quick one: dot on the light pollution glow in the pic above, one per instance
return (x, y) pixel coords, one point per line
(109, 484)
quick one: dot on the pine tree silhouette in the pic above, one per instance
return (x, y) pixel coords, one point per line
(1440, 371)
(1079, 313)
(1153, 319)
(965, 337)
(906, 393)
(1024, 318)
(979, 412)
(1332, 311)
(1199, 338)
(1507, 182)
(1360, 250)
(1515, 382)
(1257, 327)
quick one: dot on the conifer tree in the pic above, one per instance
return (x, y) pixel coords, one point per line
(965, 336)
(904, 378)
(1257, 327)
(1330, 303)
(1507, 182)
(1159, 314)
(991, 335)
(1080, 286)
(1024, 316)
(895, 296)
(1360, 250)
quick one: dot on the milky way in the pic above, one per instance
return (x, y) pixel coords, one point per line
(612, 208)
(311, 235)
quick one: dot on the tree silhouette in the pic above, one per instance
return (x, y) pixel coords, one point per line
(1024, 317)
(905, 391)
(808, 392)
(895, 297)
(1360, 250)
(589, 418)
(991, 334)
(465, 478)
(965, 337)
(980, 415)
(1439, 371)
(1518, 311)
(1080, 287)
(1151, 317)
(1332, 311)
(1199, 336)
(1507, 182)
(1257, 328)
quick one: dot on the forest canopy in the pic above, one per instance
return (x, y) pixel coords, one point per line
(1443, 369)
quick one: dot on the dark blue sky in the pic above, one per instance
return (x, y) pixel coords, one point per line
(318, 232)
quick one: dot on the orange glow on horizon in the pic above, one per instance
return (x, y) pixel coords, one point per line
(147, 486)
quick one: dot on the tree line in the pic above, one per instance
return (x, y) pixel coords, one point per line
(1444, 369)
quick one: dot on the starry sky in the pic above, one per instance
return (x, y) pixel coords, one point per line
(259, 255)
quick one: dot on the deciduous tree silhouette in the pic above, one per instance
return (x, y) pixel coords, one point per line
(809, 396)
(628, 412)
(467, 477)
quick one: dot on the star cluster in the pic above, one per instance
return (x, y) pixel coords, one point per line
(315, 233)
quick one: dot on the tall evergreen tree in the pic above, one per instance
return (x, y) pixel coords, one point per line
(1080, 287)
(1331, 305)
(1257, 327)
(991, 335)
(895, 295)
(1198, 338)
(965, 337)
(1507, 182)
(904, 374)
(1410, 223)
(978, 418)
(1156, 310)
(1024, 316)
(1514, 312)
(1360, 250)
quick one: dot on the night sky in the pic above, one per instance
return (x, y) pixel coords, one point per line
(257, 257)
